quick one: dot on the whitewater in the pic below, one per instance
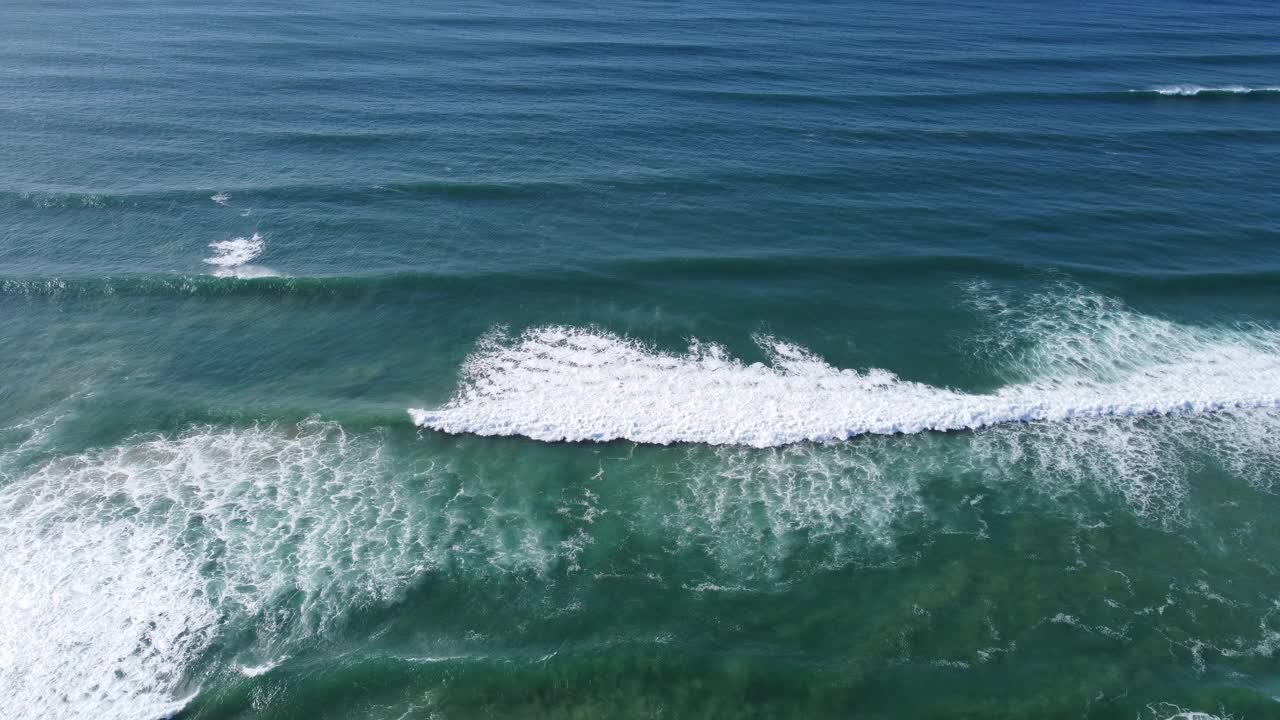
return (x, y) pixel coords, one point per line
(1079, 355)
(234, 257)
(1189, 90)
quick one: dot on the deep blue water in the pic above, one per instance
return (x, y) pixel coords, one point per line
(857, 359)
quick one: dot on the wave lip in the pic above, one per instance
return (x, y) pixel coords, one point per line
(571, 384)
(1187, 90)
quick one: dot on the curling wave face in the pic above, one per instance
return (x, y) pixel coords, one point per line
(1074, 355)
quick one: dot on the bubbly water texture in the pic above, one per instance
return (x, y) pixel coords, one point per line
(121, 565)
(1084, 356)
(236, 251)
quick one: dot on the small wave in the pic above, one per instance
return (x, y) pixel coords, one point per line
(233, 256)
(236, 251)
(1097, 360)
(1193, 90)
(223, 199)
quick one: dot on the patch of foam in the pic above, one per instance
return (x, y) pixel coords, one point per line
(1140, 461)
(1075, 356)
(236, 251)
(232, 258)
(751, 509)
(1186, 90)
(1146, 462)
(1169, 711)
(119, 567)
(97, 619)
(223, 199)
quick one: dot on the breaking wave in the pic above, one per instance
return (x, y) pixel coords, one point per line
(232, 258)
(1193, 90)
(1069, 355)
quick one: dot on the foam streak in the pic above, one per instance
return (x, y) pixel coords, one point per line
(1193, 90)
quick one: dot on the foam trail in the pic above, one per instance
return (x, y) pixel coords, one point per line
(1193, 90)
(223, 199)
(1097, 361)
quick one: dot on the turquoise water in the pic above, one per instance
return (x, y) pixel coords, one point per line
(871, 360)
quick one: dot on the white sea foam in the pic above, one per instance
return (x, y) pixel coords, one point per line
(97, 618)
(1169, 711)
(1083, 356)
(232, 258)
(751, 509)
(258, 670)
(119, 567)
(221, 198)
(1192, 90)
(236, 251)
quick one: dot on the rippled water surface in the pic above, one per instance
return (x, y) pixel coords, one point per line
(872, 360)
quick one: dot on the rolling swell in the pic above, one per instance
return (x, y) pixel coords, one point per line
(283, 193)
(632, 272)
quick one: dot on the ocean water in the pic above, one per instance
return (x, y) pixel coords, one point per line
(879, 360)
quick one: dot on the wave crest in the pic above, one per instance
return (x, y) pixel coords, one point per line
(1080, 356)
(232, 258)
(1186, 90)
